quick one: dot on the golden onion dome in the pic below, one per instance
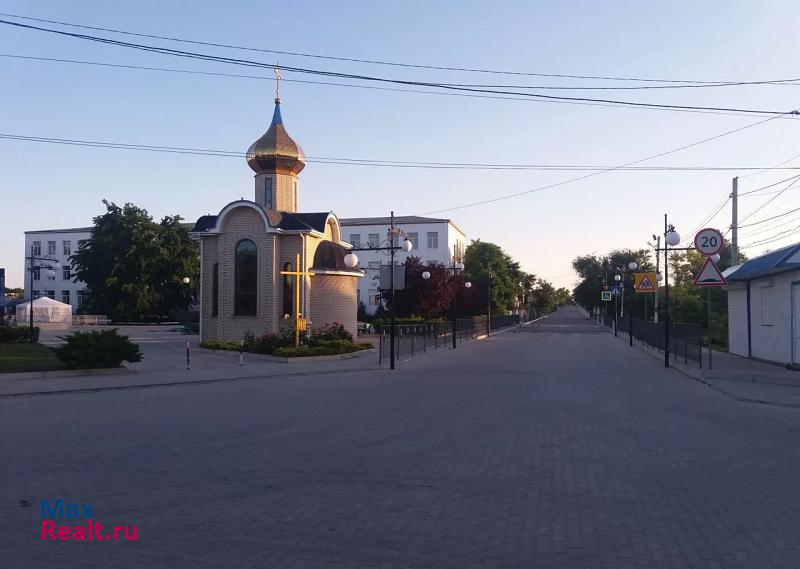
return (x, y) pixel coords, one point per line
(275, 151)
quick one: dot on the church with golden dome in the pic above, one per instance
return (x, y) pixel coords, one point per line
(264, 265)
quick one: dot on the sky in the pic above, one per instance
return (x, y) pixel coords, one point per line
(46, 186)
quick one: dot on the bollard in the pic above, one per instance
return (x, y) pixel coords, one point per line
(241, 352)
(630, 328)
(188, 362)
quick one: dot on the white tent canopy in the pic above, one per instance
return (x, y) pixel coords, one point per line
(45, 309)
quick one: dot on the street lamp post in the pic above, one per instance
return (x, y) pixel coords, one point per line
(51, 272)
(351, 261)
(458, 266)
(671, 239)
(489, 306)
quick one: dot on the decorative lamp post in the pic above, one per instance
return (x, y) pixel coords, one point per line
(671, 239)
(351, 261)
(457, 267)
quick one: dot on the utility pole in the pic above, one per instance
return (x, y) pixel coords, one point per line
(735, 222)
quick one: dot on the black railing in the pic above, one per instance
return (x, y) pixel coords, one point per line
(685, 339)
(418, 338)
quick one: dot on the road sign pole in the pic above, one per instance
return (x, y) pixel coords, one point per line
(708, 308)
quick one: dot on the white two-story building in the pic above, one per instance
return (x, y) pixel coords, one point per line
(58, 244)
(434, 241)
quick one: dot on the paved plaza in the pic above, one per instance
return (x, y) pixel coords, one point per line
(550, 446)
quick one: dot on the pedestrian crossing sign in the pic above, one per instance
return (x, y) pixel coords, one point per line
(644, 282)
(605, 296)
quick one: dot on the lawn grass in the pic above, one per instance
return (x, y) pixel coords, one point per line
(24, 356)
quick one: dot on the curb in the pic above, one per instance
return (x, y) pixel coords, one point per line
(67, 373)
(696, 375)
(80, 390)
(287, 360)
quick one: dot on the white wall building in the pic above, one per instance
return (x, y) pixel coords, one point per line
(57, 244)
(764, 307)
(435, 241)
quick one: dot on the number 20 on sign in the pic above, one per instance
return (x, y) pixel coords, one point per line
(708, 241)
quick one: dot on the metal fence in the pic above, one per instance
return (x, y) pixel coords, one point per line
(418, 338)
(685, 339)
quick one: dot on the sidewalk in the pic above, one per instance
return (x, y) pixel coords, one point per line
(740, 378)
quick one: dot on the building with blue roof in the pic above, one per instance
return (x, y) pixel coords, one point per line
(764, 307)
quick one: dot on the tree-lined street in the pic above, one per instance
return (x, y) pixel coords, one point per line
(554, 445)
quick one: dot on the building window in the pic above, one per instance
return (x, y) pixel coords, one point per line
(51, 248)
(374, 239)
(65, 297)
(269, 194)
(67, 247)
(766, 306)
(81, 298)
(50, 294)
(66, 272)
(355, 239)
(246, 279)
(433, 239)
(414, 238)
(288, 290)
(37, 274)
(37, 247)
(37, 294)
(215, 289)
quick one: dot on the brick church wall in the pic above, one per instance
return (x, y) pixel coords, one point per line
(333, 299)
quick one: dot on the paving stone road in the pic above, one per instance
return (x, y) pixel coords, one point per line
(551, 447)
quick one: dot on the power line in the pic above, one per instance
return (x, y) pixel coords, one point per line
(769, 218)
(351, 85)
(250, 63)
(768, 186)
(584, 177)
(772, 239)
(770, 200)
(689, 82)
(372, 162)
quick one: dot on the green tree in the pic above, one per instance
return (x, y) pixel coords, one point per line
(485, 262)
(427, 298)
(134, 267)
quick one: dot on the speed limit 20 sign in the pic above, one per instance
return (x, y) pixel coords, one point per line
(708, 241)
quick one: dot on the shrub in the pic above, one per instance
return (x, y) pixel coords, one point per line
(220, 345)
(322, 348)
(333, 331)
(13, 334)
(97, 349)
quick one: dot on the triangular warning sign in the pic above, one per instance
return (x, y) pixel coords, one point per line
(645, 285)
(709, 275)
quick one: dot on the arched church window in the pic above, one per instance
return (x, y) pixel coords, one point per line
(288, 290)
(215, 289)
(246, 279)
(269, 194)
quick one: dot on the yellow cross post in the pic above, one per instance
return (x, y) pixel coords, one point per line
(300, 324)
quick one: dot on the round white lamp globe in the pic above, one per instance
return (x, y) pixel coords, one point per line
(617, 278)
(351, 260)
(186, 280)
(715, 257)
(633, 265)
(659, 277)
(407, 245)
(459, 266)
(673, 238)
(467, 284)
(426, 275)
(51, 274)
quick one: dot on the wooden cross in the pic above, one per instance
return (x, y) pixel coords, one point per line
(297, 273)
